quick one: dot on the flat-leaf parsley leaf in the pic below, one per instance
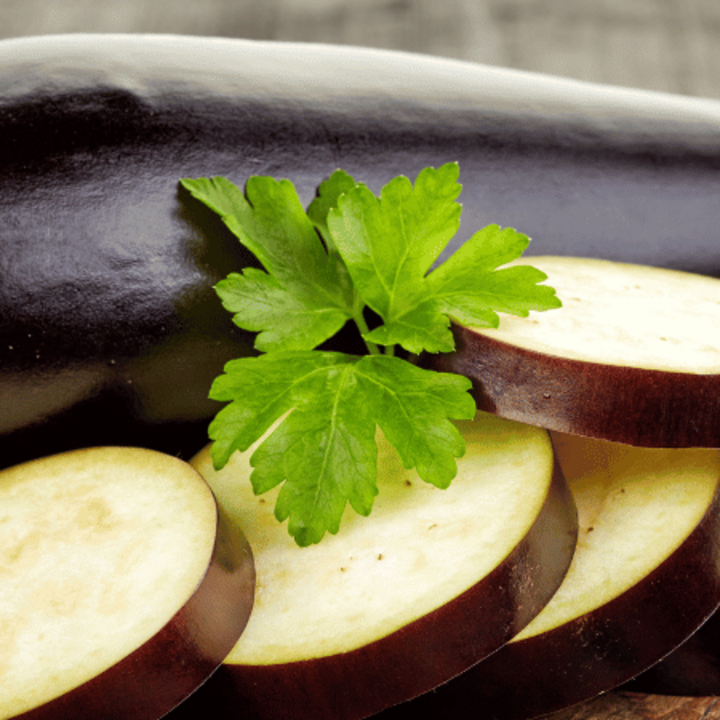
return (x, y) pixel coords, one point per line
(304, 296)
(325, 449)
(350, 256)
(390, 242)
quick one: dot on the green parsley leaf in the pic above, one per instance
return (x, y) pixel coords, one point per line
(324, 450)
(314, 415)
(327, 197)
(305, 295)
(469, 287)
(261, 390)
(390, 242)
(412, 407)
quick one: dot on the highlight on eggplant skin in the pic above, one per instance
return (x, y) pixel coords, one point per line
(110, 331)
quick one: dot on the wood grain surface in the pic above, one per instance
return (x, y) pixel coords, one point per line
(629, 706)
(669, 45)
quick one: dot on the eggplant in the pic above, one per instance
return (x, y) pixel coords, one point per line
(110, 331)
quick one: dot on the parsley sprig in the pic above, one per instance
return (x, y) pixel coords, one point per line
(352, 255)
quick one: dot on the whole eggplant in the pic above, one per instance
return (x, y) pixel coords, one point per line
(110, 331)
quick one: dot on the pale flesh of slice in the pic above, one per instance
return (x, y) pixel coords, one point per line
(418, 549)
(636, 506)
(643, 578)
(623, 314)
(398, 602)
(99, 549)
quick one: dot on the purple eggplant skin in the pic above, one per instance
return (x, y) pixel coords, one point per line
(693, 669)
(110, 331)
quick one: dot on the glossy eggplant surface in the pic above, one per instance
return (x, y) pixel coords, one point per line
(110, 331)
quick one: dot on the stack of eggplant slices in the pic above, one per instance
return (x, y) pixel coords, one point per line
(577, 550)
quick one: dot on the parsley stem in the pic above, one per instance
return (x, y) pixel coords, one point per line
(359, 319)
(373, 348)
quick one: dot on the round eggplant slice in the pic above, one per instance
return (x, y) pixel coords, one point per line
(644, 577)
(396, 603)
(633, 356)
(122, 591)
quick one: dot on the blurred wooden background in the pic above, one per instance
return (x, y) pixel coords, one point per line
(670, 45)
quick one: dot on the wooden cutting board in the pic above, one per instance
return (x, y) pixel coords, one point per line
(635, 706)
